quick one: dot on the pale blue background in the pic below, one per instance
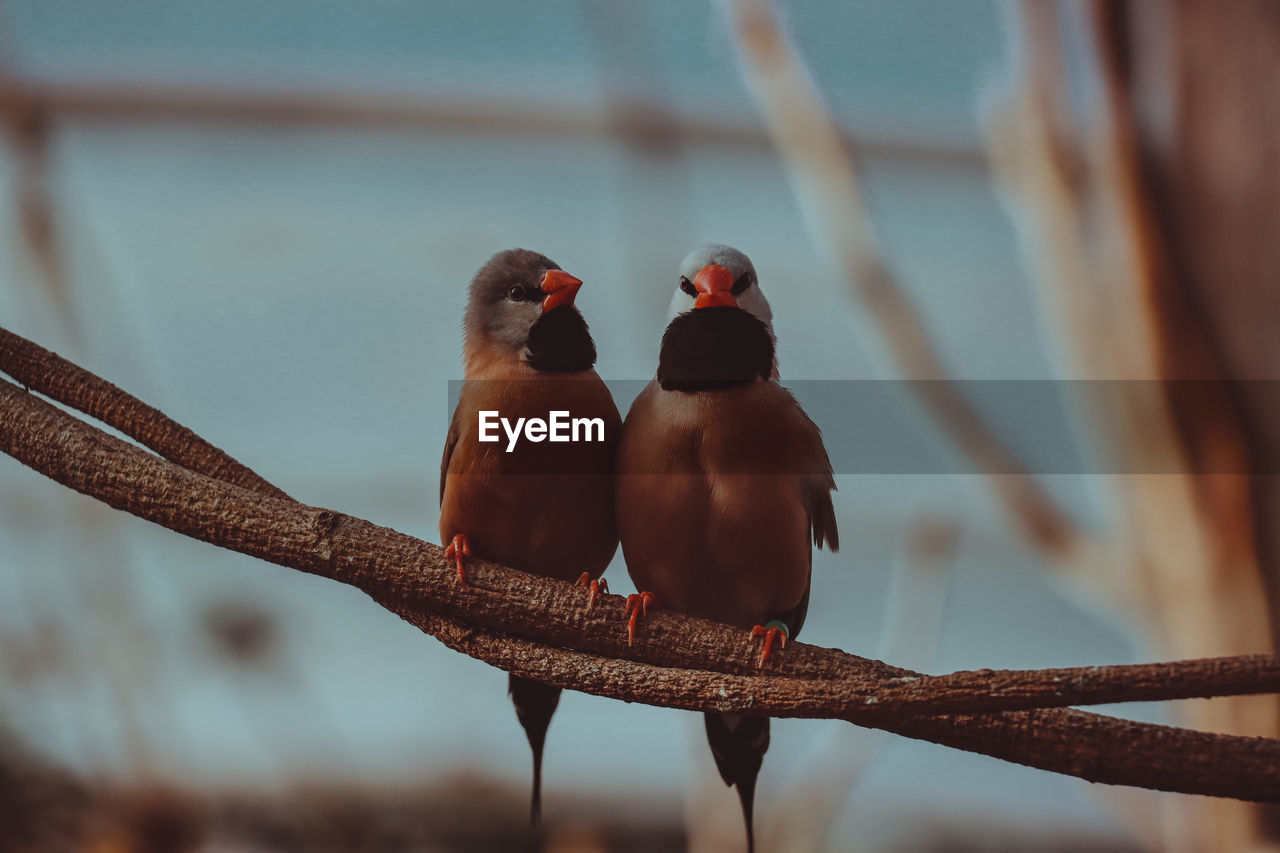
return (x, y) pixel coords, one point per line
(294, 295)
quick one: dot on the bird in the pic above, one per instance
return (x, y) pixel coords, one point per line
(722, 483)
(537, 506)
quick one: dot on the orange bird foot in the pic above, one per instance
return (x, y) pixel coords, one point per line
(637, 605)
(456, 550)
(771, 631)
(595, 588)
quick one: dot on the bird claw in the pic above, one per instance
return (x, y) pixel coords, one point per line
(771, 631)
(456, 550)
(637, 605)
(595, 588)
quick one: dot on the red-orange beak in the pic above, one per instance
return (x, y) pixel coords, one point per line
(715, 287)
(560, 287)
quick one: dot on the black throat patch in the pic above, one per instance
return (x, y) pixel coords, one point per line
(711, 348)
(559, 342)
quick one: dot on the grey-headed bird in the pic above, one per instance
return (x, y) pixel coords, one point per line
(540, 506)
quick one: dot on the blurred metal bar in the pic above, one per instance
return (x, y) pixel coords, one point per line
(128, 102)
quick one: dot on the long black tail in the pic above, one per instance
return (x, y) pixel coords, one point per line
(738, 745)
(535, 703)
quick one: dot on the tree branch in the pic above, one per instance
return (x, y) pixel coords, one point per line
(55, 377)
(538, 628)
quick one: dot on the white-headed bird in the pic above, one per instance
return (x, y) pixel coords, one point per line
(723, 482)
(539, 505)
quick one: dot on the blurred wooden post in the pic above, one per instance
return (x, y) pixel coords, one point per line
(1138, 146)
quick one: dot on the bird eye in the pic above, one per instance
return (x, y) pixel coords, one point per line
(687, 286)
(744, 281)
(516, 293)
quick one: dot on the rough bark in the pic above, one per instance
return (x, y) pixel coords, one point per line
(538, 627)
(55, 377)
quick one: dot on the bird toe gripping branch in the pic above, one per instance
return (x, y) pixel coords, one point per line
(637, 605)
(457, 549)
(772, 631)
(595, 588)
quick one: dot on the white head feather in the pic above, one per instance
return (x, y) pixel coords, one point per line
(738, 264)
(751, 299)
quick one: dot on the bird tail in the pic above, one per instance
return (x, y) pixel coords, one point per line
(738, 745)
(535, 703)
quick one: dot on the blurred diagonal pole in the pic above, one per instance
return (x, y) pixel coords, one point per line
(539, 628)
(826, 186)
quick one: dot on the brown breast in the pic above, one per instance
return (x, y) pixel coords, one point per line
(544, 507)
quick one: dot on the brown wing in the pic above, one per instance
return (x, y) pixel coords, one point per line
(822, 514)
(821, 482)
(450, 442)
(822, 521)
(822, 518)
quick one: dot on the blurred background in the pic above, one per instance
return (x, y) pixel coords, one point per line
(262, 217)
